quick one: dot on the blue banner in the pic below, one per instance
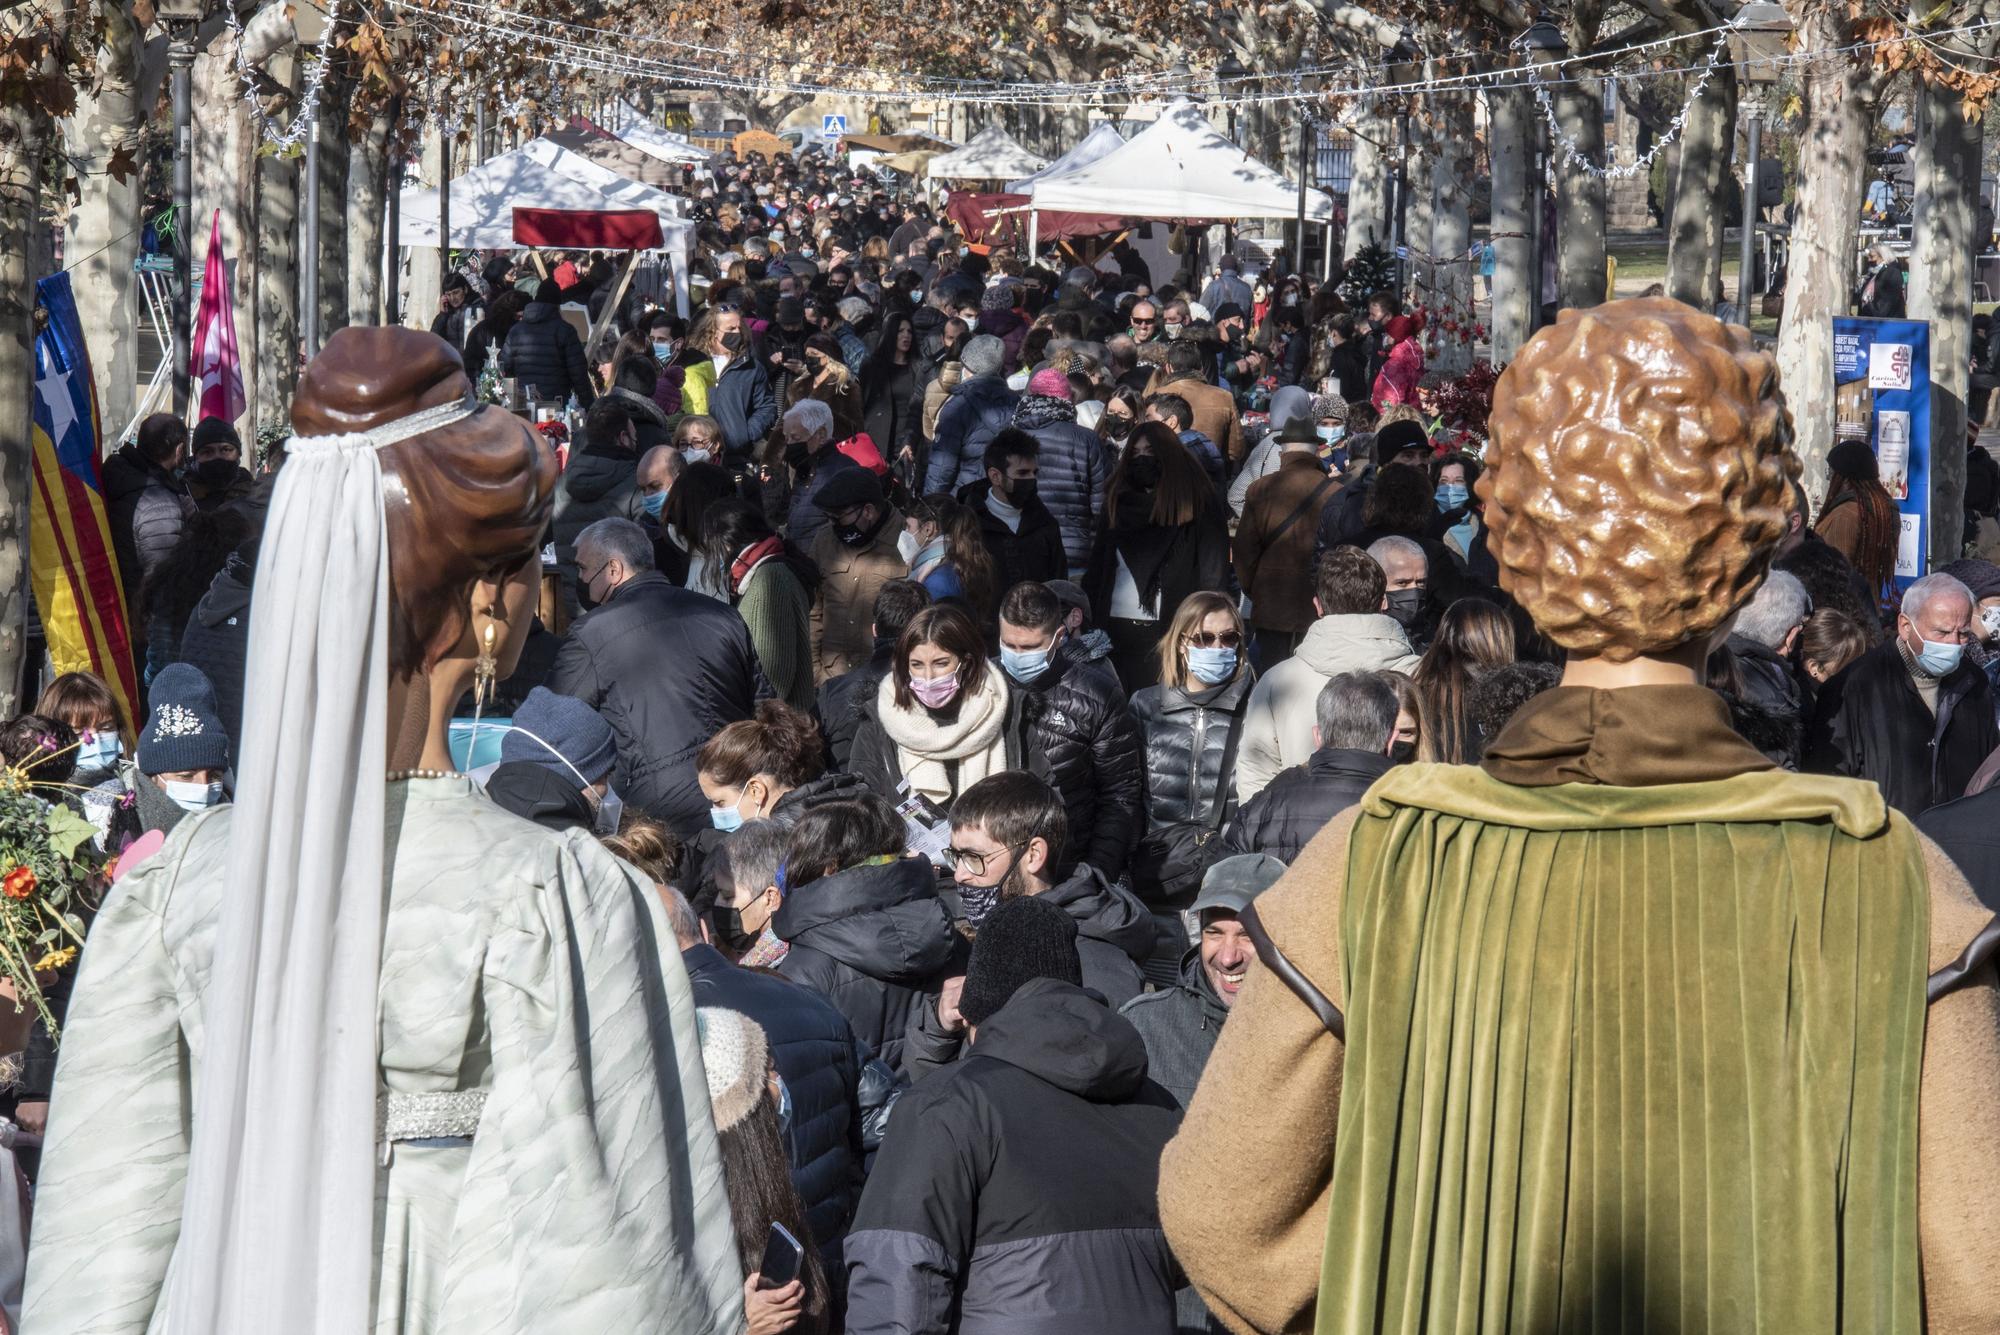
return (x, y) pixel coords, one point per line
(1882, 393)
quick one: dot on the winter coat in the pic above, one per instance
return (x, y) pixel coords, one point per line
(832, 786)
(875, 941)
(1010, 327)
(850, 578)
(1275, 569)
(1191, 558)
(775, 606)
(668, 669)
(1186, 733)
(1033, 552)
(1768, 680)
(1277, 730)
(742, 402)
(600, 483)
(240, 487)
(146, 506)
(1075, 469)
(1016, 1191)
(649, 420)
(845, 700)
(1397, 381)
(1179, 1026)
(891, 413)
(803, 520)
(1968, 830)
(1075, 732)
(1226, 289)
(1870, 723)
(1209, 455)
(1282, 819)
(1214, 410)
(217, 640)
(544, 352)
(1114, 932)
(937, 394)
(978, 410)
(840, 392)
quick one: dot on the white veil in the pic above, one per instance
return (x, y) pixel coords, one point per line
(278, 1223)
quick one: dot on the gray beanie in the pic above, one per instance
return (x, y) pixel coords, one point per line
(984, 355)
(552, 728)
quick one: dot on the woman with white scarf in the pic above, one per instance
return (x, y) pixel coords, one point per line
(941, 714)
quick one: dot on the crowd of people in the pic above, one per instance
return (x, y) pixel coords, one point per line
(956, 645)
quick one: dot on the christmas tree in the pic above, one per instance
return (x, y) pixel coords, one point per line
(1372, 270)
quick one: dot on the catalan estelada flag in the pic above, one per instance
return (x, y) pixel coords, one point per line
(71, 562)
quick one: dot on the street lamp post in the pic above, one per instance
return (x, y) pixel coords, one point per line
(182, 17)
(1758, 33)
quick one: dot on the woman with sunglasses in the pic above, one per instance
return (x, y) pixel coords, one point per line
(1191, 719)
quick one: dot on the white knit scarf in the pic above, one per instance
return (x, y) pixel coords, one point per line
(924, 743)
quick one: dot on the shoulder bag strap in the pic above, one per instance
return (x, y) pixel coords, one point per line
(1979, 954)
(1228, 769)
(1288, 973)
(1298, 514)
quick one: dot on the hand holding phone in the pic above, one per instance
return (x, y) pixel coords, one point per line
(784, 1259)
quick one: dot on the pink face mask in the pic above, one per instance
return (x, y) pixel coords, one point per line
(935, 693)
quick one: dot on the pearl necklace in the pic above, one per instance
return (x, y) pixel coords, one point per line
(399, 775)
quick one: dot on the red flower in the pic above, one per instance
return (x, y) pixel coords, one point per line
(18, 883)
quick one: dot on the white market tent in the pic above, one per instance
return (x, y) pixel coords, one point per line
(540, 175)
(642, 134)
(1179, 167)
(990, 156)
(1101, 142)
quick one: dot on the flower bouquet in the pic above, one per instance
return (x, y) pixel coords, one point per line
(50, 874)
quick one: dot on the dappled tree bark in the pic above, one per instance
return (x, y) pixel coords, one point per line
(1580, 250)
(1941, 251)
(1510, 144)
(1367, 192)
(334, 149)
(1418, 189)
(277, 340)
(368, 181)
(1451, 226)
(24, 132)
(1694, 220)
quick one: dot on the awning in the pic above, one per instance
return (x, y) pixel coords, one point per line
(985, 219)
(588, 229)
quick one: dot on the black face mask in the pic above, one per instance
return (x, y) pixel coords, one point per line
(1402, 753)
(215, 473)
(1406, 605)
(731, 936)
(1116, 428)
(583, 598)
(858, 535)
(1143, 472)
(1020, 492)
(732, 341)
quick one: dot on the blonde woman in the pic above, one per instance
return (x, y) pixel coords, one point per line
(1190, 721)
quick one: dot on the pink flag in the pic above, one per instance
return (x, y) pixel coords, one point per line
(213, 361)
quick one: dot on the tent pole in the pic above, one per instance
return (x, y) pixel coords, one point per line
(1326, 260)
(1034, 232)
(444, 204)
(1305, 160)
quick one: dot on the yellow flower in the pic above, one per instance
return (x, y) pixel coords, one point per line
(55, 959)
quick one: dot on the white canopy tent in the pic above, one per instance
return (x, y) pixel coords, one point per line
(632, 126)
(989, 156)
(1179, 167)
(1102, 141)
(540, 175)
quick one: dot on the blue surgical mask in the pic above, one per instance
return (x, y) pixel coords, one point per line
(1940, 660)
(653, 504)
(726, 819)
(1213, 666)
(99, 751)
(1025, 667)
(1451, 495)
(193, 796)
(1330, 434)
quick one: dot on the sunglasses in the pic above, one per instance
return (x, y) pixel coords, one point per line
(1225, 639)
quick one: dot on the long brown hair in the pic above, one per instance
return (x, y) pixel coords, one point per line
(1473, 635)
(1881, 529)
(761, 1193)
(1183, 490)
(964, 550)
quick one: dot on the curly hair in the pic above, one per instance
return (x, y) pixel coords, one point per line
(1639, 476)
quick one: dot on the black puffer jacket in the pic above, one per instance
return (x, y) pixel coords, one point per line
(1076, 733)
(845, 701)
(544, 352)
(1282, 819)
(600, 483)
(876, 941)
(833, 787)
(217, 640)
(146, 506)
(1114, 932)
(1768, 680)
(1186, 735)
(616, 660)
(1075, 468)
(1032, 553)
(814, 1050)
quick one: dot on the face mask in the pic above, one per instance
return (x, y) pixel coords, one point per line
(726, 819)
(1330, 434)
(1020, 491)
(732, 341)
(653, 504)
(1402, 753)
(1213, 666)
(697, 456)
(585, 599)
(100, 751)
(908, 547)
(193, 796)
(730, 934)
(935, 693)
(979, 900)
(1940, 660)
(1144, 472)
(215, 472)
(610, 811)
(1025, 667)
(1451, 495)
(853, 537)
(1116, 427)
(1174, 331)
(1406, 605)
(1990, 619)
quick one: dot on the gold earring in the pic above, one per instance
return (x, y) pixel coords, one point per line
(485, 672)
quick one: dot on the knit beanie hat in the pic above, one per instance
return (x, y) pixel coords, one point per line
(1853, 459)
(567, 728)
(999, 297)
(184, 731)
(1396, 437)
(1020, 941)
(212, 430)
(737, 1058)
(983, 355)
(1050, 381)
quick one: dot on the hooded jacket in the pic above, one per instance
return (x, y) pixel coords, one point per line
(600, 483)
(978, 410)
(1016, 1191)
(1074, 471)
(1300, 802)
(1278, 729)
(1179, 1026)
(1114, 932)
(217, 640)
(875, 940)
(1075, 732)
(544, 352)
(1186, 735)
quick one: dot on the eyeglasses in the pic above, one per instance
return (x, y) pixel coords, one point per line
(1222, 639)
(976, 862)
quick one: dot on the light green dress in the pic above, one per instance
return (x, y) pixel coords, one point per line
(529, 965)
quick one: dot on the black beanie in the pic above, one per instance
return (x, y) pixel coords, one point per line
(1020, 941)
(1396, 437)
(1853, 459)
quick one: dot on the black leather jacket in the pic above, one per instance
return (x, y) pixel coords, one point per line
(1186, 734)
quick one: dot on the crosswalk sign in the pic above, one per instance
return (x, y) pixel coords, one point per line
(832, 127)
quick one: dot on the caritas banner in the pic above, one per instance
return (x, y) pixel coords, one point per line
(1882, 394)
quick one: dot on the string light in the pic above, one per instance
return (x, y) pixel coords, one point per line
(289, 136)
(1571, 152)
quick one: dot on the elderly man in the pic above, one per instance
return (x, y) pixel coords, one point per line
(1406, 574)
(812, 457)
(1913, 713)
(1762, 642)
(1354, 730)
(978, 410)
(667, 668)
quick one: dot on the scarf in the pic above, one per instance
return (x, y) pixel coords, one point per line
(767, 952)
(1143, 545)
(928, 558)
(749, 559)
(924, 743)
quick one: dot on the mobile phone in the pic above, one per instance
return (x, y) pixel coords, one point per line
(784, 1259)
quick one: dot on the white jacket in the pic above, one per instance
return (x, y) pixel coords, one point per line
(1278, 722)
